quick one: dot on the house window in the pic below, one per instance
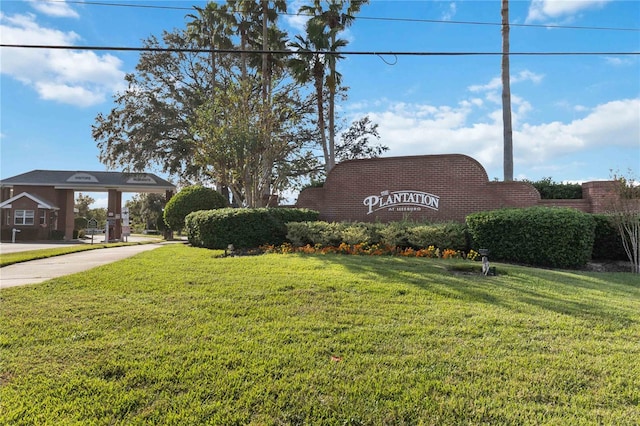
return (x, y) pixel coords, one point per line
(43, 217)
(23, 217)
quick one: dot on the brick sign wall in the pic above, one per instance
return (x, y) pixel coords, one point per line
(432, 187)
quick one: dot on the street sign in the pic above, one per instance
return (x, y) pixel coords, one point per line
(92, 227)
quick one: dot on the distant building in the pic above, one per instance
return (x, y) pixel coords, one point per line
(41, 203)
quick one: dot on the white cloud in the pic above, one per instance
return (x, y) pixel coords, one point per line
(544, 10)
(58, 9)
(414, 129)
(618, 61)
(450, 12)
(80, 78)
(297, 22)
(496, 82)
(75, 95)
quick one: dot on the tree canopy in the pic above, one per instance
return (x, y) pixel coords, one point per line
(245, 123)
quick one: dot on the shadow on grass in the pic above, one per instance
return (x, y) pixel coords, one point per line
(578, 294)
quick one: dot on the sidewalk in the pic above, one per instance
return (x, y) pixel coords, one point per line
(37, 271)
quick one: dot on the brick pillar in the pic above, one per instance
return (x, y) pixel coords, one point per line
(600, 194)
(68, 222)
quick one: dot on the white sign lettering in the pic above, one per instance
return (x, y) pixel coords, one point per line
(401, 201)
(82, 177)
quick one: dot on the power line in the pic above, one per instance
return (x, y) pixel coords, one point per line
(316, 52)
(431, 21)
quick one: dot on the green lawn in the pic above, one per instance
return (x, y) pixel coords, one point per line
(180, 336)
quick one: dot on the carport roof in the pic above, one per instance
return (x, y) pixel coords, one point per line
(90, 181)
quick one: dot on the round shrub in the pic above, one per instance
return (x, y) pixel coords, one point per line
(191, 199)
(556, 237)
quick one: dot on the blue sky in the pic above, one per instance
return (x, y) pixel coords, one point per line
(576, 118)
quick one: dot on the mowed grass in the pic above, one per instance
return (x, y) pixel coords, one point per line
(179, 336)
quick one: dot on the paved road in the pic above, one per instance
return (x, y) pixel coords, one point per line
(37, 271)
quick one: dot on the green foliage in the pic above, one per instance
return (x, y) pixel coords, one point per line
(80, 223)
(358, 233)
(57, 234)
(191, 199)
(550, 190)
(316, 232)
(607, 244)
(244, 228)
(443, 236)
(145, 211)
(393, 234)
(100, 215)
(541, 236)
(82, 204)
(313, 184)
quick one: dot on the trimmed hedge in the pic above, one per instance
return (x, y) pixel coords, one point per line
(443, 236)
(607, 244)
(394, 234)
(550, 190)
(332, 234)
(244, 228)
(555, 237)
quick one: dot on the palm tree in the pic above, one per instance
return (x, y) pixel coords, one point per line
(268, 15)
(507, 129)
(309, 66)
(212, 28)
(322, 32)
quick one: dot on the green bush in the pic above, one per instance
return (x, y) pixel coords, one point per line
(554, 237)
(395, 234)
(191, 199)
(316, 232)
(244, 228)
(57, 234)
(607, 244)
(359, 233)
(443, 236)
(80, 223)
(550, 190)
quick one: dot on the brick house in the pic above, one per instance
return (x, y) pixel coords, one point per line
(41, 203)
(433, 188)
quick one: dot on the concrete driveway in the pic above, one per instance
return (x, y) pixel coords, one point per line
(7, 247)
(37, 271)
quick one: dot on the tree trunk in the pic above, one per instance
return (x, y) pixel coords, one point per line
(506, 96)
(331, 161)
(318, 73)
